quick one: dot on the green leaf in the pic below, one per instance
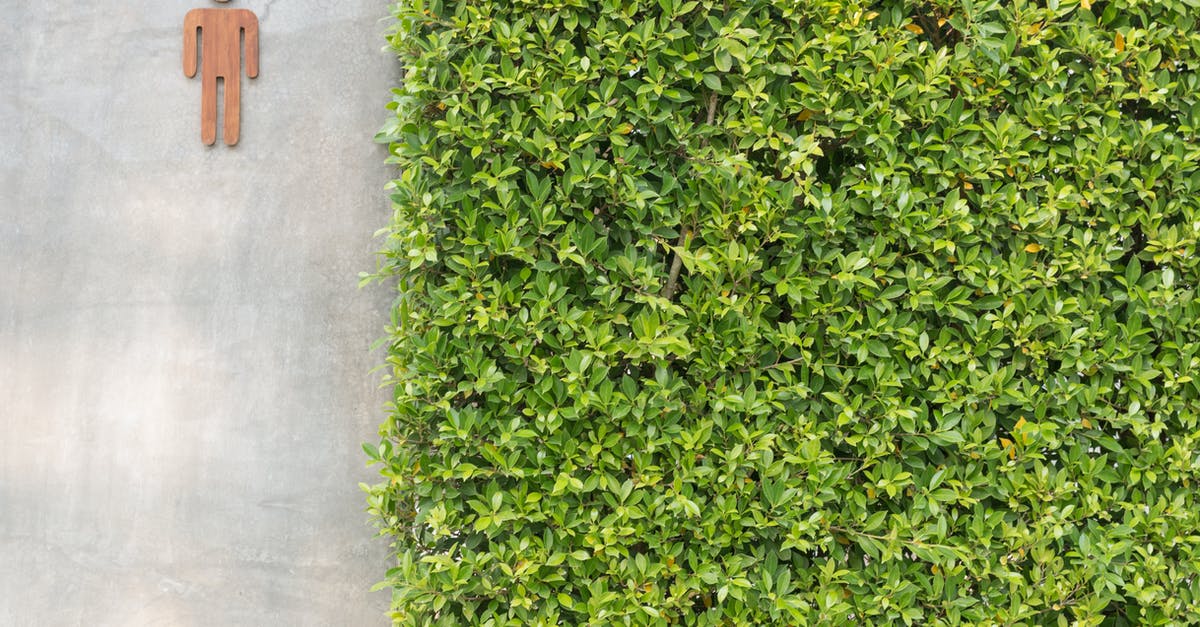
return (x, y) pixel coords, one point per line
(722, 60)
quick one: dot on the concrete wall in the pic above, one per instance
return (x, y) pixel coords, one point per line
(184, 353)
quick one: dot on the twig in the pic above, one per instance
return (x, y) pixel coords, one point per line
(677, 263)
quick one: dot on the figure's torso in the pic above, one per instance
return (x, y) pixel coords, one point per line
(221, 36)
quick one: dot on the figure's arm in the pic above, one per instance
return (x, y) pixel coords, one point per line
(250, 24)
(191, 24)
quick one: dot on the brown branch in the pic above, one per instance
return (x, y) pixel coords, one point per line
(677, 263)
(712, 108)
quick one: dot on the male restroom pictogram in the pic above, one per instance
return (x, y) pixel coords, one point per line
(221, 33)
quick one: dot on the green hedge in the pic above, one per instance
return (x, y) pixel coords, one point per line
(793, 311)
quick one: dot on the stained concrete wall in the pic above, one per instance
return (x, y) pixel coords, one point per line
(184, 353)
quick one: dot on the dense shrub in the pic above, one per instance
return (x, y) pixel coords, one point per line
(793, 311)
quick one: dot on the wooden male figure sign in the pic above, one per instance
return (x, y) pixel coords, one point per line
(221, 33)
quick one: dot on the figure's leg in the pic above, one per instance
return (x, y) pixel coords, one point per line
(208, 108)
(233, 109)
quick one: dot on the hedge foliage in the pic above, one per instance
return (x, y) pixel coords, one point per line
(793, 312)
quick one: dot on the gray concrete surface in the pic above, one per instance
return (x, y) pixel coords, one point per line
(184, 353)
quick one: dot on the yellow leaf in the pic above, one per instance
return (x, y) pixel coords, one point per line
(1087, 424)
(1033, 248)
(1087, 4)
(1119, 42)
(1007, 445)
(913, 28)
(870, 492)
(804, 115)
(1035, 29)
(1024, 438)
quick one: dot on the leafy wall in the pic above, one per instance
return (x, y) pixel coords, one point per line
(783, 312)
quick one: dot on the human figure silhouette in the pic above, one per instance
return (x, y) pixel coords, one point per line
(221, 33)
